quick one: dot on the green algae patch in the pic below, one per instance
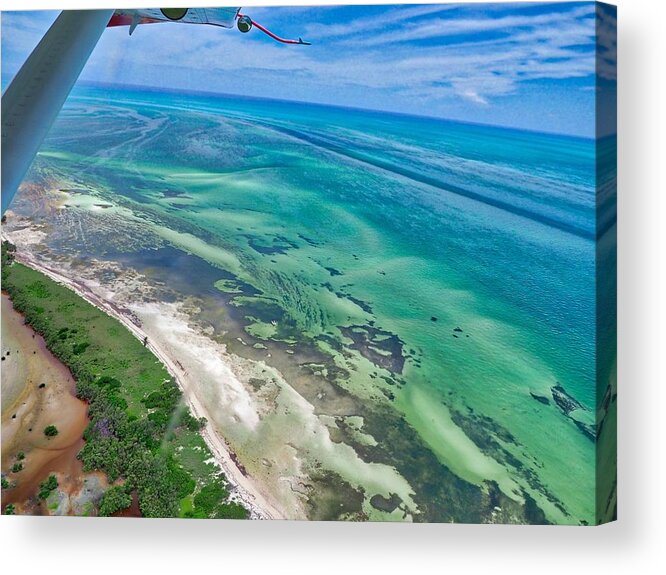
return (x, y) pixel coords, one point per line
(228, 286)
(262, 330)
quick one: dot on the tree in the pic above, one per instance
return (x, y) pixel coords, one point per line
(50, 431)
(10, 509)
(231, 510)
(20, 455)
(8, 252)
(17, 467)
(209, 497)
(115, 499)
(46, 487)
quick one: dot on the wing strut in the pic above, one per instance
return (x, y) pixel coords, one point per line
(245, 24)
(32, 101)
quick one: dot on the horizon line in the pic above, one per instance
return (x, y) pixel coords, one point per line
(192, 91)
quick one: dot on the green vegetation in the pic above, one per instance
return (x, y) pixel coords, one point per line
(230, 511)
(206, 500)
(50, 431)
(47, 487)
(5, 483)
(20, 456)
(115, 499)
(17, 467)
(206, 504)
(10, 509)
(8, 253)
(88, 509)
(140, 431)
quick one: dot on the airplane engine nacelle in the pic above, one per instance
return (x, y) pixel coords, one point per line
(244, 23)
(174, 14)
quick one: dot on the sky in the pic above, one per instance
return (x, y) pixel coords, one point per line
(527, 65)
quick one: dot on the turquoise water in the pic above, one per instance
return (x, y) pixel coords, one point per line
(463, 255)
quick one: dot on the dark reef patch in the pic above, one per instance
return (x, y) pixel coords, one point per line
(360, 303)
(564, 401)
(278, 245)
(333, 271)
(386, 504)
(309, 241)
(334, 499)
(540, 398)
(586, 429)
(383, 348)
(568, 405)
(365, 306)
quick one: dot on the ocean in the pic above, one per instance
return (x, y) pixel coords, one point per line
(427, 287)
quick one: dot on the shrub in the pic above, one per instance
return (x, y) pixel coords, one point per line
(79, 348)
(181, 479)
(192, 423)
(115, 499)
(50, 431)
(48, 486)
(109, 382)
(231, 511)
(210, 497)
(17, 467)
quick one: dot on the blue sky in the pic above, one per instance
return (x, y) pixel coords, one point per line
(529, 65)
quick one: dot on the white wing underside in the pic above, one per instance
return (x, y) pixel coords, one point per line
(224, 17)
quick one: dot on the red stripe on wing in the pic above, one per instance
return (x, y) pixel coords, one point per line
(125, 20)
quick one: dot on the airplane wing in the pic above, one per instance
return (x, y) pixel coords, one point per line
(32, 101)
(223, 17)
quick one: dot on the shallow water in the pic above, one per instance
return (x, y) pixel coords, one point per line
(442, 271)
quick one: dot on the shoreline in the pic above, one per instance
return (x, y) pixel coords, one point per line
(257, 503)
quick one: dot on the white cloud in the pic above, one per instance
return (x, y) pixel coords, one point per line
(21, 32)
(474, 97)
(422, 53)
(446, 27)
(359, 27)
